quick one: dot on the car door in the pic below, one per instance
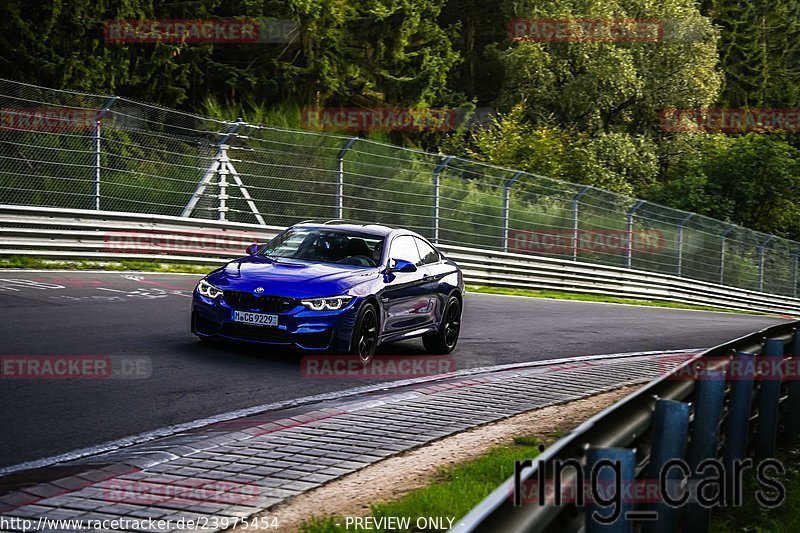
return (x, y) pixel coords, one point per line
(406, 297)
(438, 276)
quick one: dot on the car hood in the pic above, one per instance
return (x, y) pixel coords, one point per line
(293, 279)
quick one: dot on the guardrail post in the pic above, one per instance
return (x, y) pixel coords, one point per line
(768, 399)
(629, 233)
(737, 422)
(791, 424)
(340, 176)
(761, 251)
(722, 239)
(575, 212)
(683, 223)
(507, 205)
(211, 170)
(708, 400)
(96, 138)
(436, 173)
(670, 427)
(600, 466)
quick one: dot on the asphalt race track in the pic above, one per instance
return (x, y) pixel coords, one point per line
(143, 319)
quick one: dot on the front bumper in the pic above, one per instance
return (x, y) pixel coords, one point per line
(298, 327)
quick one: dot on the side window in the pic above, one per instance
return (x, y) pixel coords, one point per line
(426, 252)
(404, 248)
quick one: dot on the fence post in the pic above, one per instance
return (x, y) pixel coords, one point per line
(670, 427)
(222, 182)
(722, 239)
(794, 275)
(575, 212)
(436, 172)
(211, 170)
(761, 251)
(507, 205)
(97, 122)
(738, 420)
(683, 223)
(629, 233)
(769, 396)
(599, 463)
(791, 426)
(340, 176)
(708, 401)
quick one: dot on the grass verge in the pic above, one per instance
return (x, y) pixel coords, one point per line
(453, 494)
(35, 263)
(585, 297)
(753, 517)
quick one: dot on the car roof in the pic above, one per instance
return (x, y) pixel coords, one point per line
(342, 225)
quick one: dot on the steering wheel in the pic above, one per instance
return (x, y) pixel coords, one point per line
(360, 260)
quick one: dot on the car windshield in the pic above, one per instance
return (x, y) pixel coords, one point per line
(326, 246)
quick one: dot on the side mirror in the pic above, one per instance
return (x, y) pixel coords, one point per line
(252, 249)
(401, 265)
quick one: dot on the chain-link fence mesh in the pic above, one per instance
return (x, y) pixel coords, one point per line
(74, 150)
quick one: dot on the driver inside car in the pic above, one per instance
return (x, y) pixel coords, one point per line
(356, 251)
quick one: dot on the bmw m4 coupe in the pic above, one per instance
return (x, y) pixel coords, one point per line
(334, 286)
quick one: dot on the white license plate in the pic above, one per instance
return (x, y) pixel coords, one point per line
(255, 319)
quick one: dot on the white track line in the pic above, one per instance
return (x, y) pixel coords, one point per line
(240, 413)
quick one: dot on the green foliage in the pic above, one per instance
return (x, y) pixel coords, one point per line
(456, 491)
(514, 142)
(346, 52)
(602, 86)
(751, 516)
(760, 51)
(618, 162)
(753, 179)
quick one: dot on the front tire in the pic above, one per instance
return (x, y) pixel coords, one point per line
(365, 334)
(444, 341)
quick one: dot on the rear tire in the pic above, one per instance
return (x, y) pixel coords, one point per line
(444, 341)
(365, 334)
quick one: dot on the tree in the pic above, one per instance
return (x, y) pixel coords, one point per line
(612, 86)
(752, 180)
(345, 52)
(760, 51)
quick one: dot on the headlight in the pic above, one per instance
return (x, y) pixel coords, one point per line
(208, 290)
(333, 303)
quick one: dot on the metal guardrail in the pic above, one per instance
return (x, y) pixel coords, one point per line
(110, 235)
(702, 401)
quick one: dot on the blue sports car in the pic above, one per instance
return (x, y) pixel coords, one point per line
(334, 286)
